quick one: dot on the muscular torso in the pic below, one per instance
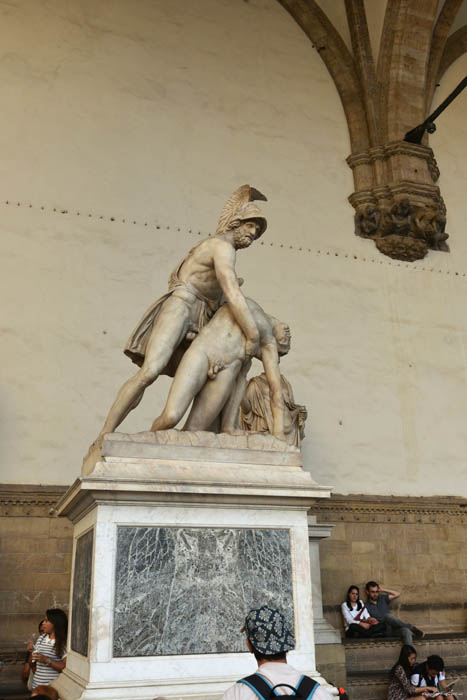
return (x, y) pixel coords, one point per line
(198, 268)
(222, 339)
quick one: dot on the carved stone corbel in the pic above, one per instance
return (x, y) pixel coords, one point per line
(397, 203)
(396, 200)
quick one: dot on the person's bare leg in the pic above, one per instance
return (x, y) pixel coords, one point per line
(211, 399)
(169, 330)
(191, 375)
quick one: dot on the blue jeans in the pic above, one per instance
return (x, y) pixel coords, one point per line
(404, 629)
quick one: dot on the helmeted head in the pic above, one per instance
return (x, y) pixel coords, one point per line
(267, 631)
(250, 212)
(244, 232)
(241, 208)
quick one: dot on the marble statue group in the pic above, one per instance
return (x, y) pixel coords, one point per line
(204, 333)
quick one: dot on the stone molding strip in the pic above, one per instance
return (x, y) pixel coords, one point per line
(411, 607)
(356, 198)
(339, 508)
(391, 509)
(29, 500)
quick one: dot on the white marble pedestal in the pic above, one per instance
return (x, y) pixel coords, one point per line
(176, 536)
(324, 632)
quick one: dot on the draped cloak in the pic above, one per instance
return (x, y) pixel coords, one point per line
(259, 418)
(200, 311)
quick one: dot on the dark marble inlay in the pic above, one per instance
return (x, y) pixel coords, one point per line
(82, 593)
(187, 590)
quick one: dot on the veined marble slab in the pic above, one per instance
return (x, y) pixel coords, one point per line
(81, 600)
(186, 590)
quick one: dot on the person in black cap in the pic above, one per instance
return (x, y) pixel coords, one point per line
(268, 638)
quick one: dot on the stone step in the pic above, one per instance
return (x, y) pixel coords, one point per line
(380, 654)
(368, 687)
(11, 685)
(368, 662)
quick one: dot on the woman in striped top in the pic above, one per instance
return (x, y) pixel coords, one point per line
(49, 655)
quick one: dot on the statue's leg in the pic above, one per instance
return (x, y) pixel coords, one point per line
(169, 329)
(210, 401)
(191, 374)
(229, 421)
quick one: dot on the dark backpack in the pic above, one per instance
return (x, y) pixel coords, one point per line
(420, 669)
(265, 691)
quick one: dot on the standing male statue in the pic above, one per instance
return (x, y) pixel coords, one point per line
(197, 287)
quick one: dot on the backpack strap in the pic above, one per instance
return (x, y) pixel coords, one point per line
(419, 669)
(260, 686)
(286, 685)
(307, 687)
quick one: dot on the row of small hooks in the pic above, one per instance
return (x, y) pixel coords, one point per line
(336, 254)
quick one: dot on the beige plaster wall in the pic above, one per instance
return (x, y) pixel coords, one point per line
(153, 116)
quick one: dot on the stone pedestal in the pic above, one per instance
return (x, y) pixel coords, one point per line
(329, 651)
(176, 536)
(324, 631)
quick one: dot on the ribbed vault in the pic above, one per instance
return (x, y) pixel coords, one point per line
(396, 199)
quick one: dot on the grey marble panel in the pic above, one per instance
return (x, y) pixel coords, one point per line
(187, 590)
(81, 593)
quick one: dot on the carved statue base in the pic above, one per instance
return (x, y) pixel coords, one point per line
(176, 536)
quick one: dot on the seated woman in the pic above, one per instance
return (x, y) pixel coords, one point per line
(400, 687)
(357, 620)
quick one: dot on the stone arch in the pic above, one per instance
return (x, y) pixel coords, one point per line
(455, 47)
(438, 44)
(339, 62)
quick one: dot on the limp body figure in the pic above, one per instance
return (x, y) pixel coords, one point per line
(213, 372)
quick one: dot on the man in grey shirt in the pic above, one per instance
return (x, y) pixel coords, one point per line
(377, 604)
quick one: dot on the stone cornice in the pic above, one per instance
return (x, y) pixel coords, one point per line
(391, 149)
(28, 500)
(38, 500)
(390, 509)
(415, 189)
(408, 149)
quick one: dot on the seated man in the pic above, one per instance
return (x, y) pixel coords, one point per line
(213, 372)
(377, 605)
(431, 673)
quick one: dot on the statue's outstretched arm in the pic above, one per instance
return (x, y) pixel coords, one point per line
(224, 263)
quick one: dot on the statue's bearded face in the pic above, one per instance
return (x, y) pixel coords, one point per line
(245, 234)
